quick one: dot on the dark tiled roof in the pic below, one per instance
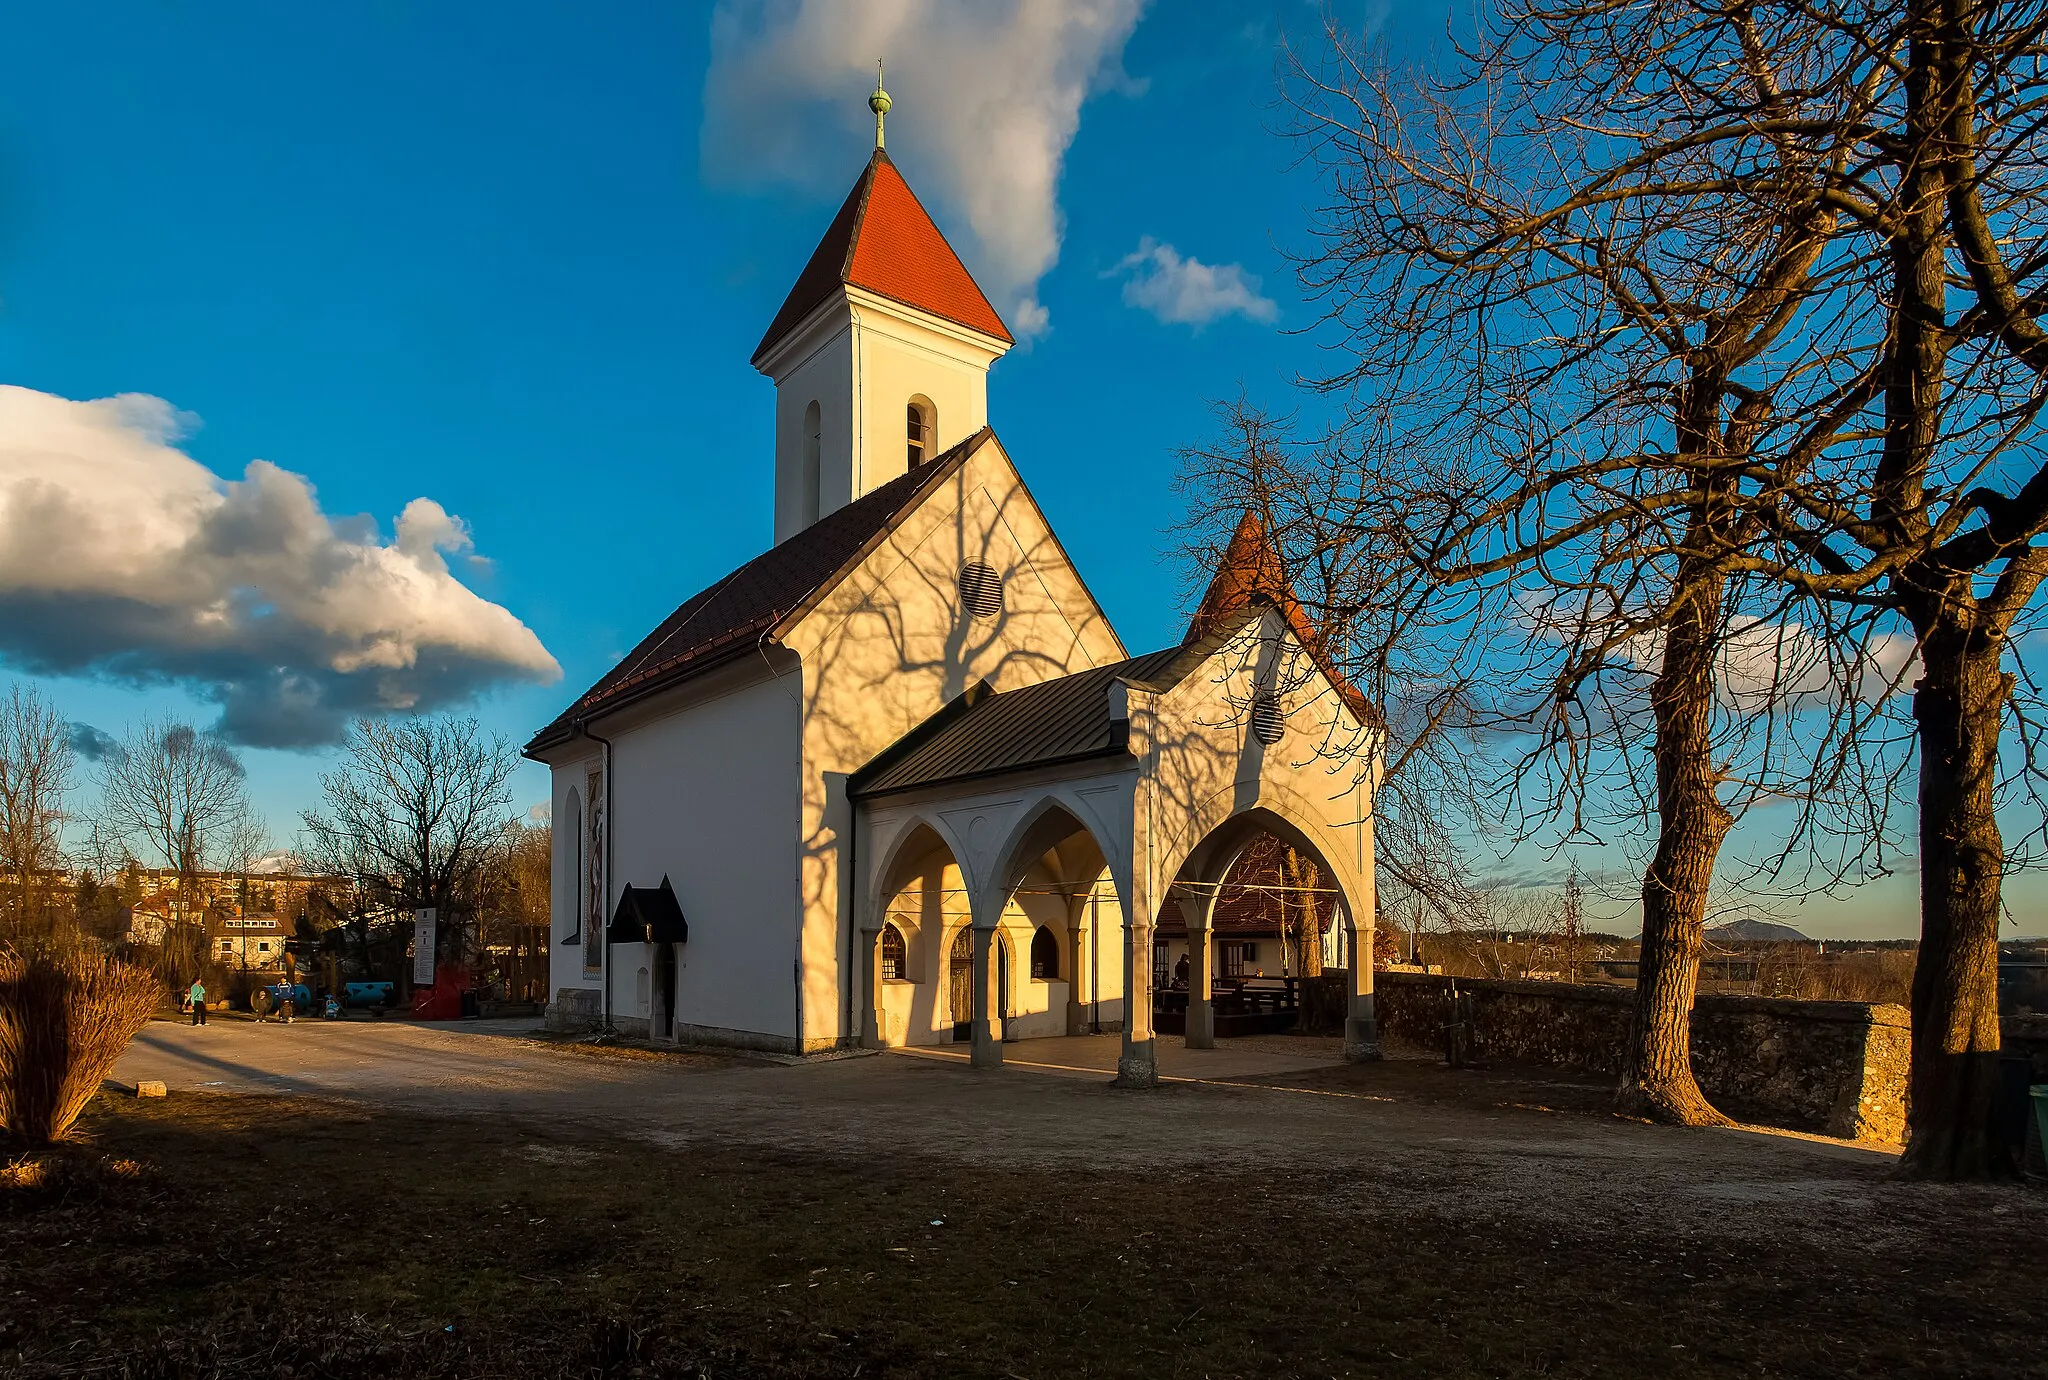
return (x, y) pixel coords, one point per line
(739, 612)
(648, 915)
(884, 241)
(983, 733)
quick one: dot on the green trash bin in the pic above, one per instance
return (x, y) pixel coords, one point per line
(2039, 1094)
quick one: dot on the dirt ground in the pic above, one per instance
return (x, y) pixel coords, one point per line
(416, 1201)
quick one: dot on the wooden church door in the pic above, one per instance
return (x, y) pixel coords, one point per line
(960, 984)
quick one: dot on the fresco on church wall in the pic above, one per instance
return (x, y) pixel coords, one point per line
(593, 904)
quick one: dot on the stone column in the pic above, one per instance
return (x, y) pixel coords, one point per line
(871, 1036)
(1198, 905)
(1078, 939)
(1138, 1067)
(988, 1040)
(1361, 1026)
(1201, 1006)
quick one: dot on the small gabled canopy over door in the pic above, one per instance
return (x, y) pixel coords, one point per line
(648, 915)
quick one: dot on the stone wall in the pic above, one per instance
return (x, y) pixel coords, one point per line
(1833, 1066)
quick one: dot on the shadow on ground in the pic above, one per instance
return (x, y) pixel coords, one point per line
(216, 1235)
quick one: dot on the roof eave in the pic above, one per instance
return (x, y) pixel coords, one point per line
(1115, 749)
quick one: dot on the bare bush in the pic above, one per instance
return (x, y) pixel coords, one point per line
(65, 1017)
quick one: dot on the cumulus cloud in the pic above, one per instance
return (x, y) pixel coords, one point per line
(122, 556)
(1761, 662)
(987, 98)
(1186, 291)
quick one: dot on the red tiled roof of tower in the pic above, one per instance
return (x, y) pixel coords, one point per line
(1251, 569)
(883, 240)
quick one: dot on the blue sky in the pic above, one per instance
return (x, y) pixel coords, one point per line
(499, 257)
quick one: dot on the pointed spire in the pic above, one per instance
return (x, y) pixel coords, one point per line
(884, 241)
(879, 103)
(1250, 568)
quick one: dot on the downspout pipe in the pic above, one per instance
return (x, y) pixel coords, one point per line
(605, 886)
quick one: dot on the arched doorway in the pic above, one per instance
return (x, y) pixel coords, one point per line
(1061, 905)
(1253, 927)
(960, 983)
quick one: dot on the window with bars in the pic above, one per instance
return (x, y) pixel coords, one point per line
(1238, 957)
(895, 957)
(981, 590)
(1269, 723)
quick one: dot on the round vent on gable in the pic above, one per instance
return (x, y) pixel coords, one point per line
(981, 590)
(1269, 725)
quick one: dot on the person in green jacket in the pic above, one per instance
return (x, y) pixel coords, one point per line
(197, 996)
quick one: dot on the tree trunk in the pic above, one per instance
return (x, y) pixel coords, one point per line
(1656, 1076)
(1960, 704)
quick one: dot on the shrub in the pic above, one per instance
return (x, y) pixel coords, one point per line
(65, 1017)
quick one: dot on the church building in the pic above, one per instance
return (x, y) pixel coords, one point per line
(896, 780)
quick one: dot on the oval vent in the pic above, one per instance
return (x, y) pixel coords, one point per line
(981, 590)
(1269, 725)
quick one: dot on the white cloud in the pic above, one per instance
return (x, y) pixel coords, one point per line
(1760, 663)
(1187, 291)
(987, 99)
(122, 556)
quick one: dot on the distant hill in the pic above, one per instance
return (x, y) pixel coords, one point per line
(1757, 931)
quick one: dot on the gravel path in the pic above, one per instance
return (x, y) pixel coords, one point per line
(1387, 1138)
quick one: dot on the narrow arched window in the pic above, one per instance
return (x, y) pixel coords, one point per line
(895, 960)
(811, 481)
(1045, 955)
(921, 425)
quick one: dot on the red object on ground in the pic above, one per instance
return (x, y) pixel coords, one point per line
(442, 1001)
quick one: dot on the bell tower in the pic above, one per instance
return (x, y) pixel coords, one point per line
(880, 353)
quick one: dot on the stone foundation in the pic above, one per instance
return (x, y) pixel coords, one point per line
(1836, 1067)
(575, 1010)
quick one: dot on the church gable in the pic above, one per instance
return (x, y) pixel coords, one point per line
(753, 605)
(970, 584)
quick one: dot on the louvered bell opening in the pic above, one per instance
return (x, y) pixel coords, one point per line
(981, 590)
(1269, 725)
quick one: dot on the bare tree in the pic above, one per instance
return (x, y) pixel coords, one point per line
(35, 777)
(415, 812)
(182, 795)
(1587, 286)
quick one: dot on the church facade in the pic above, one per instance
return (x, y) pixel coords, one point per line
(896, 780)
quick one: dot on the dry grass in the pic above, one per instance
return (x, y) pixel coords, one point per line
(273, 1236)
(65, 1016)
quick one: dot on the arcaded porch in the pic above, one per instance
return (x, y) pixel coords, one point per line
(1015, 853)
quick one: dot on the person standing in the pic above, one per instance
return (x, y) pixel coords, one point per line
(197, 996)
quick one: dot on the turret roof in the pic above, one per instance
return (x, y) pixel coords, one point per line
(1251, 569)
(883, 240)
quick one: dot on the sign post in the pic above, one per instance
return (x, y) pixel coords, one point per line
(423, 947)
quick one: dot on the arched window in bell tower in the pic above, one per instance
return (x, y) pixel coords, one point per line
(922, 428)
(813, 461)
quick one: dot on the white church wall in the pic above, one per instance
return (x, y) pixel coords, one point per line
(903, 355)
(862, 359)
(1204, 763)
(707, 796)
(891, 645)
(822, 372)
